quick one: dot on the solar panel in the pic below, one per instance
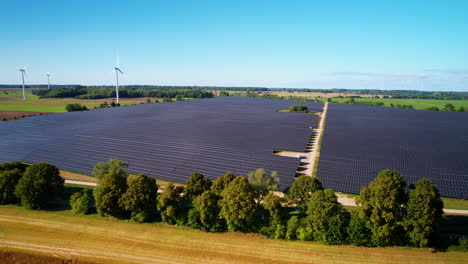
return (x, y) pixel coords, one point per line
(167, 140)
(359, 141)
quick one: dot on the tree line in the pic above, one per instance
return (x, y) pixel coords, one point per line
(386, 214)
(100, 93)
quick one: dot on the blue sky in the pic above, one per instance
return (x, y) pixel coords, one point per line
(311, 44)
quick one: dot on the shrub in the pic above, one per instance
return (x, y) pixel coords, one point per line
(75, 107)
(82, 202)
(358, 233)
(40, 184)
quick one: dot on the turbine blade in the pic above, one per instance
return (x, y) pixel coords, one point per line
(121, 71)
(118, 60)
(25, 67)
(26, 76)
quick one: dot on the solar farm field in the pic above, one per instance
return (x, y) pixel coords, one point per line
(167, 140)
(359, 141)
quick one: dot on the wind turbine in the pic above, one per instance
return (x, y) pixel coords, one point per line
(23, 73)
(117, 71)
(48, 81)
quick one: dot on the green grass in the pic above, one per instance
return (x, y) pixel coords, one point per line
(452, 203)
(32, 108)
(107, 240)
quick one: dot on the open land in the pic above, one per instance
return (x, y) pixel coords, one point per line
(12, 104)
(104, 240)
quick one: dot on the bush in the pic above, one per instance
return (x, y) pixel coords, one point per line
(293, 225)
(75, 107)
(40, 184)
(358, 233)
(82, 202)
(302, 189)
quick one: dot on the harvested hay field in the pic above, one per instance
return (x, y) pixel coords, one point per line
(104, 240)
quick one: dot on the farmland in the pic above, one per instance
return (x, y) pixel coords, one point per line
(420, 104)
(12, 104)
(105, 240)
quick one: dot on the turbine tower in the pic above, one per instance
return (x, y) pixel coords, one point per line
(48, 81)
(117, 71)
(23, 74)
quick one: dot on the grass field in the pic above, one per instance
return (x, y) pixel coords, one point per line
(102, 240)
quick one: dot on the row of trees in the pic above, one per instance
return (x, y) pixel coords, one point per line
(100, 93)
(386, 214)
(298, 108)
(33, 185)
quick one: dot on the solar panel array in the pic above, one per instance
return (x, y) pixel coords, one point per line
(360, 141)
(167, 140)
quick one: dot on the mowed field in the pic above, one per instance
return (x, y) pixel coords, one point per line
(102, 240)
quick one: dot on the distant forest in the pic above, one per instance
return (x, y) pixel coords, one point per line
(101, 93)
(131, 91)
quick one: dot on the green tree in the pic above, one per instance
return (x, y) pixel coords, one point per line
(115, 166)
(140, 197)
(461, 109)
(168, 203)
(13, 165)
(8, 181)
(302, 189)
(82, 202)
(424, 213)
(222, 182)
(108, 192)
(148, 101)
(196, 185)
(179, 98)
(262, 183)
(449, 108)
(272, 203)
(327, 217)
(209, 210)
(298, 108)
(40, 184)
(381, 206)
(238, 205)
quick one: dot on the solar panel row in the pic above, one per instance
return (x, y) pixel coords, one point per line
(360, 141)
(167, 140)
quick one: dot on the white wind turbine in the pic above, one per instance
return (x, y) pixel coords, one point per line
(48, 81)
(117, 71)
(23, 74)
